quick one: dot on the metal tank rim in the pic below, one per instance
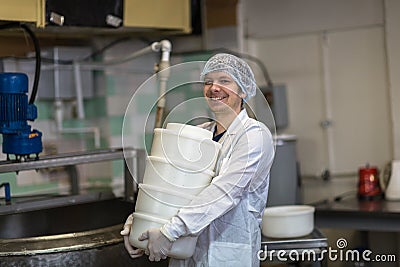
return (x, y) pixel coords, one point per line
(61, 242)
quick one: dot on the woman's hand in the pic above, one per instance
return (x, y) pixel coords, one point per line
(133, 252)
(158, 245)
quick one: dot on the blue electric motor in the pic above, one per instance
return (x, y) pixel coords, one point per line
(15, 111)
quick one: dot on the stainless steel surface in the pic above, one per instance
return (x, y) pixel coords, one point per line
(337, 206)
(64, 219)
(61, 243)
(80, 234)
(78, 230)
(351, 213)
(65, 159)
(74, 179)
(37, 202)
(104, 256)
(314, 240)
(129, 155)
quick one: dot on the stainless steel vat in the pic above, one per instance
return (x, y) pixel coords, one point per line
(79, 234)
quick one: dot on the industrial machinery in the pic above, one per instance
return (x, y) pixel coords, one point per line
(18, 137)
(15, 110)
(39, 229)
(28, 223)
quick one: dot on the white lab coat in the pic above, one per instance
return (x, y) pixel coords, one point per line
(227, 214)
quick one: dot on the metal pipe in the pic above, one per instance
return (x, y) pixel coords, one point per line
(58, 105)
(141, 52)
(73, 179)
(327, 123)
(7, 192)
(66, 159)
(78, 90)
(163, 74)
(164, 46)
(56, 75)
(94, 130)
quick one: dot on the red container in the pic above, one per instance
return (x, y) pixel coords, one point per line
(369, 187)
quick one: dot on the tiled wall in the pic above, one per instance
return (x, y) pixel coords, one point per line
(113, 89)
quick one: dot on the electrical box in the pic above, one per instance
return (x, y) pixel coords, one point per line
(126, 15)
(56, 80)
(88, 13)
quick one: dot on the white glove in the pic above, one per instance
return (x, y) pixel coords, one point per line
(158, 245)
(133, 252)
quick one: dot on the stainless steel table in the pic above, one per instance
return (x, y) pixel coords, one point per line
(351, 213)
(307, 248)
(69, 160)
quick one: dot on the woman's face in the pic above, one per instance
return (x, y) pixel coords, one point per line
(223, 94)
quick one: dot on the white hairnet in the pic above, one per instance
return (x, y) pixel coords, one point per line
(237, 68)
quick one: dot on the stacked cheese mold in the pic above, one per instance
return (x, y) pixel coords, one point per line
(181, 165)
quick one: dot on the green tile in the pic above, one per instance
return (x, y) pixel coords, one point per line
(118, 168)
(98, 74)
(49, 187)
(100, 180)
(87, 136)
(144, 103)
(128, 125)
(110, 85)
(90, 144)
(26, 189)
(45, 110)
(95, 107)
(116, 125)
(10, 178)
(148, 138)
(74, 123)
(197, 57)
(190, 91)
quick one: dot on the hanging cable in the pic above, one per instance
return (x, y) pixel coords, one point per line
(71, 61)
(38, 62)
(37, 54)
(105, 48)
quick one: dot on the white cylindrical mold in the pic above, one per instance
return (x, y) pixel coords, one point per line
(159, 201)
(183, 150)
(190, 130)
(160, 172)
(288, 221)
(182, 248)
(181, 165)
